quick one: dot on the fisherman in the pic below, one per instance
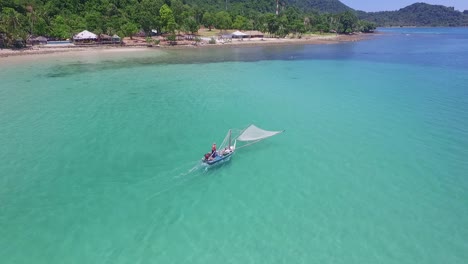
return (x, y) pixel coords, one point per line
(213, 150)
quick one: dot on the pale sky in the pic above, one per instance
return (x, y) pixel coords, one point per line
(390, 5)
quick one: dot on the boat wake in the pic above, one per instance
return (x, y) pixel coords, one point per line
(166, 181)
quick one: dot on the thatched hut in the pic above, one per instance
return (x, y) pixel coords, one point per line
(38, 40)
(85, 37)
(104, 39)
(116, 39)
(238, 34)
(254, 34)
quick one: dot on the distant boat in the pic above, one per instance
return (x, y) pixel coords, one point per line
(250, 135)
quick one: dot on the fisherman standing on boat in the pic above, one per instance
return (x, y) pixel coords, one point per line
(213, 150)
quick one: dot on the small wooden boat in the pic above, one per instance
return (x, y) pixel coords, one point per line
(223, 154)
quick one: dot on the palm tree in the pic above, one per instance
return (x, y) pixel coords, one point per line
(12, 25)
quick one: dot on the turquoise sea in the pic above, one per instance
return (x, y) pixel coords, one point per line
(100, 154)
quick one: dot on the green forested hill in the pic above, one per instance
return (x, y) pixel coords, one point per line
(61, 19)
(419, 14)
(328, 6)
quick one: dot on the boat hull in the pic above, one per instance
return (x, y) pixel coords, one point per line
(218, 159)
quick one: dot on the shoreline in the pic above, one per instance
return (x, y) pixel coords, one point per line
(259, 42)
(253, 42)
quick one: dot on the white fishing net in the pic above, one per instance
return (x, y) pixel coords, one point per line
(253, 133)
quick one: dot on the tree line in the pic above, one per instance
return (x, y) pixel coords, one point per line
(61, 19)
(269, 6)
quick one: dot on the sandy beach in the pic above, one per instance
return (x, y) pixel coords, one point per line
(137, 44)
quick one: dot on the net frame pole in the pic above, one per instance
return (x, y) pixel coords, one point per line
(251, 143)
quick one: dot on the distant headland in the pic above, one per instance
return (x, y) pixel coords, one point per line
(418, 15)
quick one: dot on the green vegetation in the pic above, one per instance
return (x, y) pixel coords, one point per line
(208, 20)
(420, 15)
(244, 7)
(172, 38)
(327, 6)
(61, 19)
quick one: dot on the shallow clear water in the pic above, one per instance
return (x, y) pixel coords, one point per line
(99, 156)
